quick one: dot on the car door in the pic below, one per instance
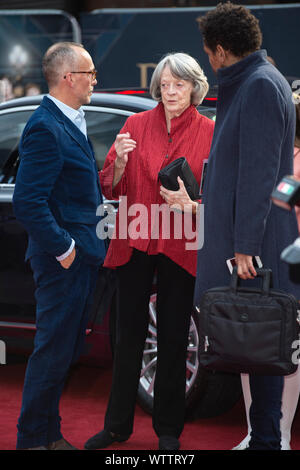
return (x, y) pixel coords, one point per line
(17, 303)
(16, 283)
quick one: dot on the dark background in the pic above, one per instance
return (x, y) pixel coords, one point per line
(126, 44)
(77, 6)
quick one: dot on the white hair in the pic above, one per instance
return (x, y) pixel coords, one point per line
(184, 67)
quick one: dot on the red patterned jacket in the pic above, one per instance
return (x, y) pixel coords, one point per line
(190, 137)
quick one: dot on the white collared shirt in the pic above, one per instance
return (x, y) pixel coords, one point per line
(77, 117)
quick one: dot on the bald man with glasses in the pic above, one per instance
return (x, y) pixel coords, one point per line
(56, 196)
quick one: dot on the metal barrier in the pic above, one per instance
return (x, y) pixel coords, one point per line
(126, 44)
(25, 35)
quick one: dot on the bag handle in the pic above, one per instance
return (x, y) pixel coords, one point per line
(265, 274)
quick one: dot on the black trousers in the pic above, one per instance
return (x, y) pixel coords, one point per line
(175, 288)
(265, 412)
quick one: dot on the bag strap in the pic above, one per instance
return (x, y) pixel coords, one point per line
(265, 274)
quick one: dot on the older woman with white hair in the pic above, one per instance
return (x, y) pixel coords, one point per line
(139, 248)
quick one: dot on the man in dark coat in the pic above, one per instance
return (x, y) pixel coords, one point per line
(252, 150)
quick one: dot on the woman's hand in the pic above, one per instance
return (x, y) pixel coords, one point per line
(179, 199)
(123, 145)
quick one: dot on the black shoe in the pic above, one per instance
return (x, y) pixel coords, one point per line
(36, 448)
(103, 439)
(62, 444)
(168, 443)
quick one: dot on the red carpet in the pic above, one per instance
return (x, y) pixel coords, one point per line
(83, 407)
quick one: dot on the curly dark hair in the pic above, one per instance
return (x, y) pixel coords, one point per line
(233, 27)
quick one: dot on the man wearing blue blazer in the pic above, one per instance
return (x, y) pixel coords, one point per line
(56, 196)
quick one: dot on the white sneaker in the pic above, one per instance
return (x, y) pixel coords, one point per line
(244, 444)
(285, 445)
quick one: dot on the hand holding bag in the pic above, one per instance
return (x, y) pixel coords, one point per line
(179, 167)
(249, 330)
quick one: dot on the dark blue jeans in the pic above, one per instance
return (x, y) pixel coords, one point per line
(265, 412)
(63, 300)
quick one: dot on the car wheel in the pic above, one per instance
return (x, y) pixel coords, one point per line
(208, 393)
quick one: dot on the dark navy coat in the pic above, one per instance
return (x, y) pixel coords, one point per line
(252, 150)
(57, 189)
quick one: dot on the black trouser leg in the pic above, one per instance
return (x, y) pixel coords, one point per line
(175, 288)
(174, 305)
(265, 412)
(134, 283)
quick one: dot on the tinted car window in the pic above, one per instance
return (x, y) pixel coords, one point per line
(103, 126)
(102, 130)
(208, 112)
(11, 128)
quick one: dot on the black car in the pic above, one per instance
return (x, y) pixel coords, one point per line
(207, 393)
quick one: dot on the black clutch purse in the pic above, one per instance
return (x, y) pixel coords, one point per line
(179, 167)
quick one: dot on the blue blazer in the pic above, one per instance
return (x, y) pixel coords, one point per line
(57, 189)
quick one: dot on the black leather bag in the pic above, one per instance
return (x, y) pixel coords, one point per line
(249, 330)
(179, 167)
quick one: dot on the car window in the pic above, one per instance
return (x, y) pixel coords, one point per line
(103, 128)
(11, 128)
(208, 112)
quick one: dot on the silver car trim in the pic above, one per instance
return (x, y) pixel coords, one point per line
(27, 326)
(32, 107)
(122, 112)
(6, 192)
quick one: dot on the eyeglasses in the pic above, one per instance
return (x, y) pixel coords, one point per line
(92, 74)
